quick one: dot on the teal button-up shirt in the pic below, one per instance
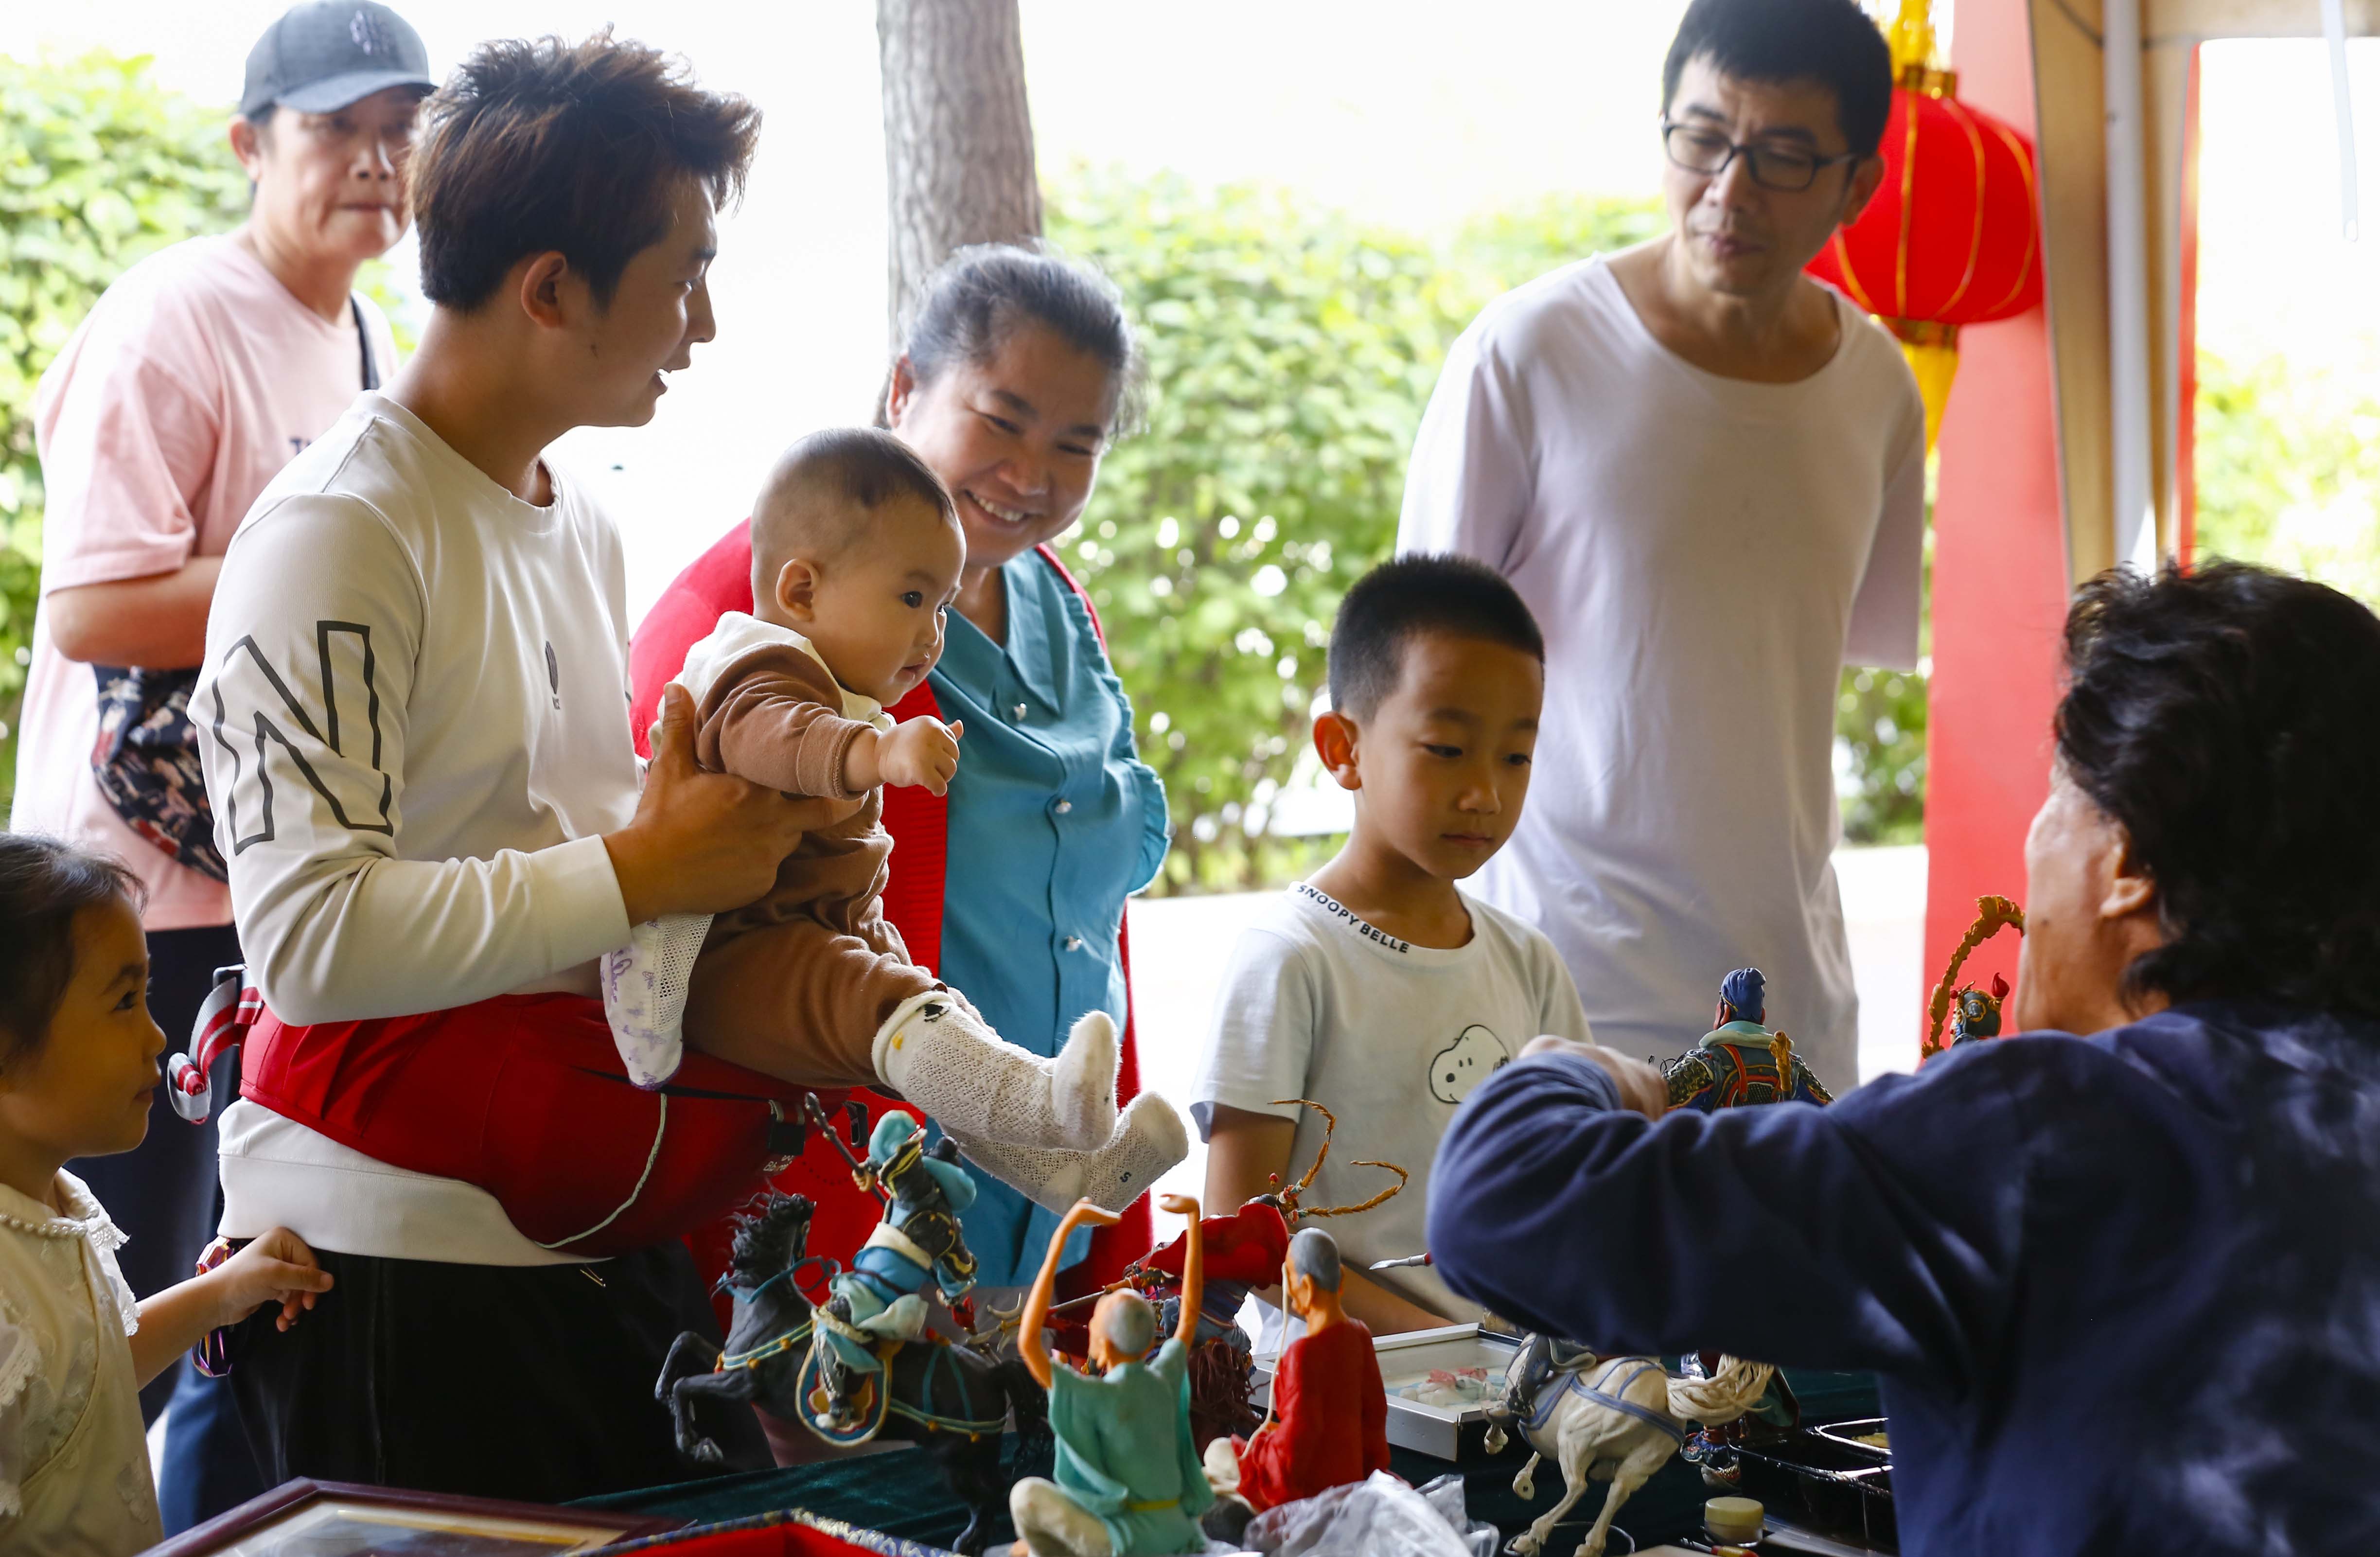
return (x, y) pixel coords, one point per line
(1053, 822)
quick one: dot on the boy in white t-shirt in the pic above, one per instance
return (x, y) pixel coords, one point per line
(1378, 988)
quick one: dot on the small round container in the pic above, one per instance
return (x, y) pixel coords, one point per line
(1733, 1521)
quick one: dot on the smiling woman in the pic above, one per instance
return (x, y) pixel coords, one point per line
(1016, 375)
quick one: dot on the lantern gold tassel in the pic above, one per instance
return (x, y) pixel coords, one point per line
(1933, 354)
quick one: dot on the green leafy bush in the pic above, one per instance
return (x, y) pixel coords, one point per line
(99, 166)
(2289, 468)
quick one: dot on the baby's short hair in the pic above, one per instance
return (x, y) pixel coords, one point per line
(822, 489)
(1424, 592)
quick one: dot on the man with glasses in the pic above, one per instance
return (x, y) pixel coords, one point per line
(1705, 474)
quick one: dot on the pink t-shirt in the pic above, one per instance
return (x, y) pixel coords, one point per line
(196, 378)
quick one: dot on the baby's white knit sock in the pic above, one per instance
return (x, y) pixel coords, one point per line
(645, 983)
(939, 1053)
(1147, 1139)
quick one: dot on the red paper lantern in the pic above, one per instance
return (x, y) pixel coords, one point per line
(1953, 235)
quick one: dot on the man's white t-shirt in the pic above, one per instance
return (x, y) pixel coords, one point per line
(1704, 554)
(415, 707)
(1389, 1036)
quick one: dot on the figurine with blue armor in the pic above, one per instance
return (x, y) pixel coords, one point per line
(1741, 1062)
(883, 1298)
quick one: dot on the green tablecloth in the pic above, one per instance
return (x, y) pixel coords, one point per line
(900, 1493)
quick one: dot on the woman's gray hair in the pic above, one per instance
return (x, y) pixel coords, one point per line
(1313, 1254)
(1129, 1323)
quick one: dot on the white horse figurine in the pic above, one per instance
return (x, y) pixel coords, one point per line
(1615, 1419)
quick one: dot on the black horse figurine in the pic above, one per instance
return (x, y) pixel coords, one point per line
(952, 1401)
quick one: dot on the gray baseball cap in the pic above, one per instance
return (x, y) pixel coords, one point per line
(324, 55)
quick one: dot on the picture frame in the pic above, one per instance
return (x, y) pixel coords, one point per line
(303, 1518)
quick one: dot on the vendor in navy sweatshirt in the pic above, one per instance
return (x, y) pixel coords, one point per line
(2120, 1276)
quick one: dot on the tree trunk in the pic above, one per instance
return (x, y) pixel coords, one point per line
(958, 139)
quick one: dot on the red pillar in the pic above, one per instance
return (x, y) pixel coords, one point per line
(2001, 573)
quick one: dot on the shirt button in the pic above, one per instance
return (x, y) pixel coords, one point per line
(1063, 807)
(1016, 716)
(1073, 942)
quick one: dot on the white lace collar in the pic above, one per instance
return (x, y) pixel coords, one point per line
(84, 1218)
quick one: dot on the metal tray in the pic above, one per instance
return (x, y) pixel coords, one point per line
(1846, 1434)
(1406, 1363)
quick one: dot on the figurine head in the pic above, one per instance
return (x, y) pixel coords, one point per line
(1123, 1328)
(1312, 1276)
(1979, 1013)
(893, 1129)
(1742, 997)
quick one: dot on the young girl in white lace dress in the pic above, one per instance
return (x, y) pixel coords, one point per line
(77, 1064)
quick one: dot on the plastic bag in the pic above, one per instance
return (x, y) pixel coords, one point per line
(1378, 1518)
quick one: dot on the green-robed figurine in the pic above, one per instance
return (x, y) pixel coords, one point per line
(1127, 1481)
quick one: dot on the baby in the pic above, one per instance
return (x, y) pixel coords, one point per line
(856, 557)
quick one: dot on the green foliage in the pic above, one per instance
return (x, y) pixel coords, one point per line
(1880, 742)
(99, 166)
(2288, 469)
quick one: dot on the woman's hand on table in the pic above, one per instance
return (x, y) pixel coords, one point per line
(1642, 1090)
(704, 843)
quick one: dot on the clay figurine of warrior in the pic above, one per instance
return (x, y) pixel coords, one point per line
(1329, 1423)
(883, 1297)
(1739, 1061)
(1978, 1013)
(1127, 1481)
(1243, 1251)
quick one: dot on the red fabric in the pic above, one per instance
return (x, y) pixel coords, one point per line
(1331, 1421)
(713, 584)
(526, 1096)
(1247, 1246)
(1952, 235)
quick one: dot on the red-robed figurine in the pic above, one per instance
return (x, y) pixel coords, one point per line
(1330, 1419)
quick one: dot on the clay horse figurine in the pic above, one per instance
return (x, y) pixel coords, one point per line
(1330, 1420)
(1127, 1481)
(1739, 1061)
(950, 1400)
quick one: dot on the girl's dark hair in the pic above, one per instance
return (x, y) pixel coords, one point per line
(43, 884)
(981, 294)
(2229, 719)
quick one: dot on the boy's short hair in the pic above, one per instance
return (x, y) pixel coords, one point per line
(1424, 592)
(822, 490)
(1830, 41)
(535, 145)
(43, 885)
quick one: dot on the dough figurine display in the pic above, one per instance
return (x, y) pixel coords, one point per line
(1127, 1480)
(1330, 1420)
(1606, 1418)
(1739, 1061)
(1979, 1013)
(950, 1400)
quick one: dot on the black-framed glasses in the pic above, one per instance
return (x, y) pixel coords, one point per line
(1786, 168)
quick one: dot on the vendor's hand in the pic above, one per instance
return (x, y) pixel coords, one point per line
(1642, 1090)
(920, 753)
(277, 1268)
(704, 843)
(1179, 1205)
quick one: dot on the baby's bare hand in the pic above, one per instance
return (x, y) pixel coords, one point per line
(920, 754)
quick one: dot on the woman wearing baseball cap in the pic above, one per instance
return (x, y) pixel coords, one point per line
(200, 373)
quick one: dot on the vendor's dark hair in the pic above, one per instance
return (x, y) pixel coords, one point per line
(535, 145)
(970, 306)
(1830, 41)
(2229, 719)
(43, 884)
(1424, 592)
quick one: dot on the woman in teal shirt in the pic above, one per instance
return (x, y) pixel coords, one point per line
(1012, 382)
